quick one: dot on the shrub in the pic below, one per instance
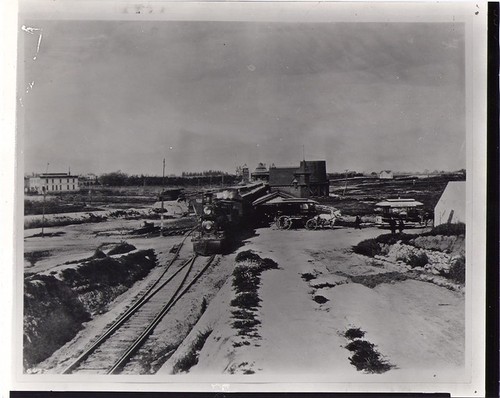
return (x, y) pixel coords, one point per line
(247, 255)
(390, 239)
(320, 299)
(245, 278)
(369, 360)
(246, 300)
(452, 229)
(191, 358)
(359, 345)
(34, 256)
(368, 248)
(204, 306)
(417, 260)
(121, 248)
(354, 333)
(267, 264)
(308, 276)
(376, 279)
(457, 270)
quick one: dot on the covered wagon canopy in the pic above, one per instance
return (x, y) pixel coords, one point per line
(399, 203)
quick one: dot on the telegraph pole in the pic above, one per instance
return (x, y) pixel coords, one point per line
(162, 207)
(345, 186)
(44, 190)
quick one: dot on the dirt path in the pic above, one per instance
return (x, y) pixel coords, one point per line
(415, 325)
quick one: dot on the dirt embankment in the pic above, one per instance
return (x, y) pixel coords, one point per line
(57, 305)
(437, 256)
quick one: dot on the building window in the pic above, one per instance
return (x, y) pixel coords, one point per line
(73, 186)
(68, 186)
(52, 188)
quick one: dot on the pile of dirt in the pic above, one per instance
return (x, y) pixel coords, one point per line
(100, 280)
(440, 252)
(53, 315)
(453, 245)
(56, 306)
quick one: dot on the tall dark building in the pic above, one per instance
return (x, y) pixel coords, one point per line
(309, 179)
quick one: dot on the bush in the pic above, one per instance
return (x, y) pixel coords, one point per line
(121, 248)
(354, 333)
(245, 278)
(390, 239)
(457, 270)
(191, 358)
(267, 264)
(308, 276)
(369, 360)
(320, 299)
(452, 229)
(246, 300)
(417, 260)
(368, 248)
(247, 255)
(359, 345)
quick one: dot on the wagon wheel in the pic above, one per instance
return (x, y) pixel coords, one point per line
(284, 222)
(311, 224)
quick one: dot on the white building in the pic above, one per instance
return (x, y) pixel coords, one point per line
(451, 206)
(386, 175)
(53, 183)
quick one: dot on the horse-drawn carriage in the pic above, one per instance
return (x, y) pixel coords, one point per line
(308, 214)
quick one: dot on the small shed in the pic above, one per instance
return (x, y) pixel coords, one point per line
(451, 205)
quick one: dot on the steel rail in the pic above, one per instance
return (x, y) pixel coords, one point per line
(148, 294)
(118, 365)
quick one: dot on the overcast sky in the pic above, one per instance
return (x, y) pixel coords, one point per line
(118, 95)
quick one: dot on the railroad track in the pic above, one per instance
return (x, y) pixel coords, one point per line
(118, 344)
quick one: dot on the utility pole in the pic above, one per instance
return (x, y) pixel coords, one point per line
(162, 207)
(345, 186)
(44, 190)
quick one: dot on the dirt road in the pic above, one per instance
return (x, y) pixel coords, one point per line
(416, 326)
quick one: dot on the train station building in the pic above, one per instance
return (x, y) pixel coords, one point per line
(307, 180)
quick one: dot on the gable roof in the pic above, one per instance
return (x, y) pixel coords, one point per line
(273, 197)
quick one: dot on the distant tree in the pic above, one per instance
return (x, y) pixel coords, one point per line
(116, 178)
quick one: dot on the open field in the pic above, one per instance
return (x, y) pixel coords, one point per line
(362, 193)
(406, 297)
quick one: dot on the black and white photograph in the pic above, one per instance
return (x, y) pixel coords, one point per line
(247, 193)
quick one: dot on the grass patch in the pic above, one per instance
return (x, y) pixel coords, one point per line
(121, 248)
(247, 255)
(308, 276)
(365, 357)
(368, 247)
(246, 300)
(246, 281)
(376, 279)
(417, 260)
(354, 333)
(191, 358)
(457, 270)
(452, 229)
(320, 299)
(36, 255)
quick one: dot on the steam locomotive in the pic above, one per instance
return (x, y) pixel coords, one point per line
(222, 216)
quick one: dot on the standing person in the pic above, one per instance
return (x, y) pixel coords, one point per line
(401, 226)
(357, 222)
(392, 224)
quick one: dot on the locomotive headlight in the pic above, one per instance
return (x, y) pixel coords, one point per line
(207, 225)
(207, 210)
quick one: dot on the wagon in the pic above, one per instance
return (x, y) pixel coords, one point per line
(308, 214)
